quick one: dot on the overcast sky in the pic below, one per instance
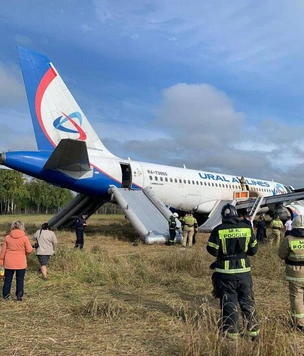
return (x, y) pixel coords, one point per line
(216, 85)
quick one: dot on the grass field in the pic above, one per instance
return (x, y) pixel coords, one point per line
(114, 298)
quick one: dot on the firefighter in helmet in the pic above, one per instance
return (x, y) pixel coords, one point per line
(189, 224)
(292, 251)
(172, 228)
(276, 226)
(231, 242)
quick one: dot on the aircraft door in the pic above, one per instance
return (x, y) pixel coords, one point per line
(126, 179)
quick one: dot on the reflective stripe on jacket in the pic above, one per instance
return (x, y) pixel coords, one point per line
(291, 250)
(276, 224)
(231, 242)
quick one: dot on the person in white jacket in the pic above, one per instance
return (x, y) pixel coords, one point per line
(45, 244)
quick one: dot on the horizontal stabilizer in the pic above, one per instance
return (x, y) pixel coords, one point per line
(69, 156)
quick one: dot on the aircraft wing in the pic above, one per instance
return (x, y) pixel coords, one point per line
(284, 204)
(274, 202)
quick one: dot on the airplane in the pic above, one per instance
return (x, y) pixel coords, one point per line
(71, 155)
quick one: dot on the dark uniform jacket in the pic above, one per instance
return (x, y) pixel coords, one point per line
(231, 242)
(172, 222)
(80, 223)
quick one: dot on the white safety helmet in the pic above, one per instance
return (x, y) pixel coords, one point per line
(298, 222)
(175, 215)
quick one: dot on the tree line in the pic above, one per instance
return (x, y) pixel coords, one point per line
(22, 194)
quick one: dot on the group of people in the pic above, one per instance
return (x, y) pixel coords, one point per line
(16, 247)
(231, 243)
(189, 227)
(276, 229)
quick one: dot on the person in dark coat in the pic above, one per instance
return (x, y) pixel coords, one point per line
(231, 243)
(172, 228)
(261, 229)
(81, 223)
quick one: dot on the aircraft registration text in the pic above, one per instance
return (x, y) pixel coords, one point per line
(158, 173)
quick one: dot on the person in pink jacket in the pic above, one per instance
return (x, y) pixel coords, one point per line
(15, 248)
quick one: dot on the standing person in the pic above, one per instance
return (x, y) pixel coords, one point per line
(46, 241)
(292, 251)
(15, 248)
(242, 181)
(261, 229)
(172, 228)
(276, 226)
(288, 226)
(248, 220)
(81, 223)
(189, 225)
(231, 242)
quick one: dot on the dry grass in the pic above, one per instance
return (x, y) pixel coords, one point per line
(115, 298)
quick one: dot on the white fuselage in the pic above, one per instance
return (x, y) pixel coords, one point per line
(185, 189)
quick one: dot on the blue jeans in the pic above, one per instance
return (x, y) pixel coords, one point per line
(8, 277)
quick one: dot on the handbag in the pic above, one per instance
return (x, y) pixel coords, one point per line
(36, 244)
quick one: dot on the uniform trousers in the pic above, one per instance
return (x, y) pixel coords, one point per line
(275, 236)
(79, 239)
(233, 292)
(172, 234)
(296, 294)
(188, 235)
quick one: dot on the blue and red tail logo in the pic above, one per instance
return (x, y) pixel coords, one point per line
(279, 189)
(75, 119)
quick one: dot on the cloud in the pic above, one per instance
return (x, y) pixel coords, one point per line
(192, 108)
(11, 89)
(86, 28)
(16, 131)
(203, 131)
(22, 40)
(144, 70)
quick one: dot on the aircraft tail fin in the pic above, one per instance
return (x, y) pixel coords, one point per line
(55, 113)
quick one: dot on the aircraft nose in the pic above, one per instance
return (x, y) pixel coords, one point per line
(2, 158)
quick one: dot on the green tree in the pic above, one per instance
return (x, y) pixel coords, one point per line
(45, 197)
(12, 190)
